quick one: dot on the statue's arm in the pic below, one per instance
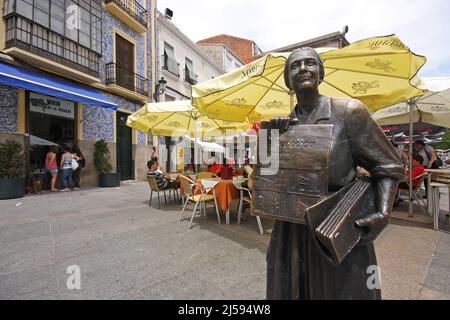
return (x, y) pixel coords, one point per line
(373, 151)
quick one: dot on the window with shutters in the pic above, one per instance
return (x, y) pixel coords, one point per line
(170, 63)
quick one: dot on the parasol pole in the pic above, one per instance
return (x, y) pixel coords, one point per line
(196, 146)
(411, 104)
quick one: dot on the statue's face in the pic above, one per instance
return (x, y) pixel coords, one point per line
(304, 71)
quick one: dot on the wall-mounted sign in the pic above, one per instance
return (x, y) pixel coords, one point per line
(52, 106)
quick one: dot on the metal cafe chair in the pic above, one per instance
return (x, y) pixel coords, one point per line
(416, 192)
(154, 188)
(248, 200)
(189, 187)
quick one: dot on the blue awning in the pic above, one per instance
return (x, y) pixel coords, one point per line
(44, 83)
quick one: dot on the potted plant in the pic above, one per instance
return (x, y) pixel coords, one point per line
(102, 158)
(12, 170)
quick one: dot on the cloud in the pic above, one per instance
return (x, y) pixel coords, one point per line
(422, 25)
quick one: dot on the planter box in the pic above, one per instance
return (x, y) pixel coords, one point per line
(12, 188)
(109, 180)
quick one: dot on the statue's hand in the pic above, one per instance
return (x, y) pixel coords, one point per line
(280, 123)
(373, 225)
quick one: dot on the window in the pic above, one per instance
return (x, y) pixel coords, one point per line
(41, 10)
(23, 30)
(8, 6)
(190, 67)
(57, 16)
(55, 45)
(256, 50)
(40, 37)
(48, 28)
(189, 74)
(229, 66)
(169, 98)
(170, 63)
(78, 20)
(25, 8)
(84, 30)
(96, 33)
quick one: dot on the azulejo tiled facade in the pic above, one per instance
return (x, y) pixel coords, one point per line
(8, 106)
(141, 138)
(98, 123)
(110, 22)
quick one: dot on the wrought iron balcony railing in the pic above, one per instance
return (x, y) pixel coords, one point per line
(133, 8)
(126, 79)
(34, 38)
(190, 77)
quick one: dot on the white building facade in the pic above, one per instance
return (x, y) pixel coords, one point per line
(180, 61)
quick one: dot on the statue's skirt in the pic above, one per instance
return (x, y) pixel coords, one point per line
(297, 270)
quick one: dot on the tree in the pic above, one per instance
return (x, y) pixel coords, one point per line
(12, 160)
(102, 157)
(445, 144)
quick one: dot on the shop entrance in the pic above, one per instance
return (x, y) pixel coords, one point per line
(51, 124)
(124, 148)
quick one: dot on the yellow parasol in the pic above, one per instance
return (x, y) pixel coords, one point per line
(376, 71)
(180, 118)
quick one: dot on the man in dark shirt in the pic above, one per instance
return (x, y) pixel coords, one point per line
(163, 179)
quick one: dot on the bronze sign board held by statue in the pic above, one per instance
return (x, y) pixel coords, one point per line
(302, 177)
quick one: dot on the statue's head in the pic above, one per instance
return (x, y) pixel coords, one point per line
(303, 70)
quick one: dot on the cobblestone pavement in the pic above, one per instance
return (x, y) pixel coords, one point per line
(128, 250)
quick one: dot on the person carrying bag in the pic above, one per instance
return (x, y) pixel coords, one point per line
(81, 163)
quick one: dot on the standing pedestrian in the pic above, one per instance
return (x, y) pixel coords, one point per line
(81, 164)
(429, 158)
(51, 167)
(154, 154)
(427, 152)
(66, 169)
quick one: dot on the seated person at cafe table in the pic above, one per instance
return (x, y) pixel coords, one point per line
(163, 179)
(417, 170)
(213, 165)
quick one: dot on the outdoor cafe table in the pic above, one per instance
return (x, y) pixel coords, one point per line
(225, 190)
(442, 176)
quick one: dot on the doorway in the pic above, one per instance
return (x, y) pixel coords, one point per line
(124, 63)
(124, 148)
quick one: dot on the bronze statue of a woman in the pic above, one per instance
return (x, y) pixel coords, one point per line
(295, 267)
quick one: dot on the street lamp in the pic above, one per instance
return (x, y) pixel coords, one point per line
(160, 88)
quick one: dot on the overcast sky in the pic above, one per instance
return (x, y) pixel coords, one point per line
(422, 25)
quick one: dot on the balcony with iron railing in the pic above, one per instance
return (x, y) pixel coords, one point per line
(130, 12)
(171, 65)
(117, 79)
(190, 77)
(45, 48)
